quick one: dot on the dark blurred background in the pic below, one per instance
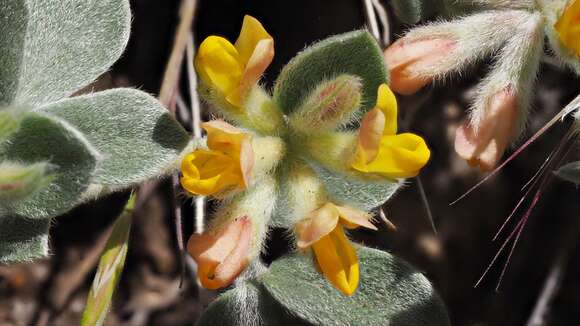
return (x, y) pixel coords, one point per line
(53, 291)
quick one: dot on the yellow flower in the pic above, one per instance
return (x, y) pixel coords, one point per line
(232, 69)
(227, 164)
(380, 150)
(568, 27)
(323, 231)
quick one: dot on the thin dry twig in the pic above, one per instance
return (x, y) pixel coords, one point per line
(384, 19)
(385, 220)
(554, 279)
(171, 76)
(426, 204)
(372, 19)
(196, 126)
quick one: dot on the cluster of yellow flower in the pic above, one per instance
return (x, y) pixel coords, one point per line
(226, 166)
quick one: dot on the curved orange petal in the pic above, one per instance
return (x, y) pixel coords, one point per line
(251, 34)
(352, 218)
(316, 225)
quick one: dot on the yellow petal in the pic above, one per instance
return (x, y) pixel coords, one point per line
(338, 261)
(208, 172)
(187, 168)
(223, 137)
(218, 64)
(400, 156)
(255, 67)
(568, 27)
(387, 103)
(318, 224)
(252, 32)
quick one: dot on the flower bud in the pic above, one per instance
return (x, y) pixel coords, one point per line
(331, 104)
(223, 256)
(18, 181)
(408, 60)
(483, 144)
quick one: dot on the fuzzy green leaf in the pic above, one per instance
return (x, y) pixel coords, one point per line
(390, 292)
(9, 122)
(570, 172)
(135, 136)
(22, 239)
(13, 18)
(41, 139)
(247, 304)
(344, 189)
(354, 53)
(50, 49)
(110, 268)
(410, 11)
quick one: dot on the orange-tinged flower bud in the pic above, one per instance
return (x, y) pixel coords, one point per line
(484, 144)
(227, 164)
(568, 27)
(329, 105)
(409, 62)
(323, 231)
(223, 256)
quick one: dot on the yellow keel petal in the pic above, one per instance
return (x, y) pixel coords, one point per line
(338, 261)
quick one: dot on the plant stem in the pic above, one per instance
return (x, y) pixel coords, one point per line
(196, 126)
(171, 76)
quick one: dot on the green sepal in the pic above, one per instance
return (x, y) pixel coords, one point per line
(390, 292)
(354, 53)
(135, 136)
